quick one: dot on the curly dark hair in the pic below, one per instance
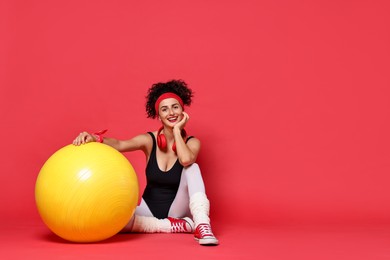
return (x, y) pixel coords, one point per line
(179, 87)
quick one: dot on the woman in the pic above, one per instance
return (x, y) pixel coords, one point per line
(175, 191)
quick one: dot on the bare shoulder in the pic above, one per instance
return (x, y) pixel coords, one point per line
(138, 142)
(144, 140)
(194, 143)
(193, 139)
(144, 136)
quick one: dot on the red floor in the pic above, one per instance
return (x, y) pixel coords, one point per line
(34, 241)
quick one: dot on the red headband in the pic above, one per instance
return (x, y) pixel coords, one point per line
(165, 96)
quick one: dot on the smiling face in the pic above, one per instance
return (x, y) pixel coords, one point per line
(170, 111)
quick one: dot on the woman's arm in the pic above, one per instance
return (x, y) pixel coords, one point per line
(186, 152)
(139, 142)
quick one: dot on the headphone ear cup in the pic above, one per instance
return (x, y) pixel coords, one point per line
(161, 140)
(174, 147)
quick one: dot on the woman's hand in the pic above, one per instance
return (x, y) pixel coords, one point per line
(83, 138)
(181, 124)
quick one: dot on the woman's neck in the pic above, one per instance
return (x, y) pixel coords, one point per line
(168, 132)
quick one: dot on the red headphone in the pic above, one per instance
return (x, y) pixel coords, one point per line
(162, 140)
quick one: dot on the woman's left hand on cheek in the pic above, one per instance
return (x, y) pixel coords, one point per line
(183, 121)
(185, 116)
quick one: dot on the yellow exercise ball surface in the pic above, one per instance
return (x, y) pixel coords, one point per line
(86, 193)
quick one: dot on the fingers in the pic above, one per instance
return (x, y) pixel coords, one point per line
(83, 138)
(186, 116)
(78, 139)
(183, 121)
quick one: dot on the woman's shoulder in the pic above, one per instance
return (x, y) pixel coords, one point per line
(192, 139)
(151, 132)
(145, 140)
(191, 136)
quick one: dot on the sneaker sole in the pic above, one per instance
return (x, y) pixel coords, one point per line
(207, 241)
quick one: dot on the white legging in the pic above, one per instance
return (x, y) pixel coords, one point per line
(191, 182)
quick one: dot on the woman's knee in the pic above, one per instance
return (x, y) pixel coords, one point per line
(193, 167)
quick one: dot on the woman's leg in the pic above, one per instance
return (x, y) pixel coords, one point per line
(144, 222)
(190, 200)
(143, 209)
(191, 182)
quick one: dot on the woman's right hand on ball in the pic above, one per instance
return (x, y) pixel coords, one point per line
(83, 138)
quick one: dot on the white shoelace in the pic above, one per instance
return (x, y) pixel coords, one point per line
(205, 230)
(178, 227)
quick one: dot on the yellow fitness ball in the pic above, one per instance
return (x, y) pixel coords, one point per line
(86, 193)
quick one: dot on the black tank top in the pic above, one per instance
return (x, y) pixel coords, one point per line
(161, 187)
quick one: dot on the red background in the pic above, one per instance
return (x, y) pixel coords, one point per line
(291, 98)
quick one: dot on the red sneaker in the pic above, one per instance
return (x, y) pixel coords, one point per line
(181, 225)
(204, 235)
